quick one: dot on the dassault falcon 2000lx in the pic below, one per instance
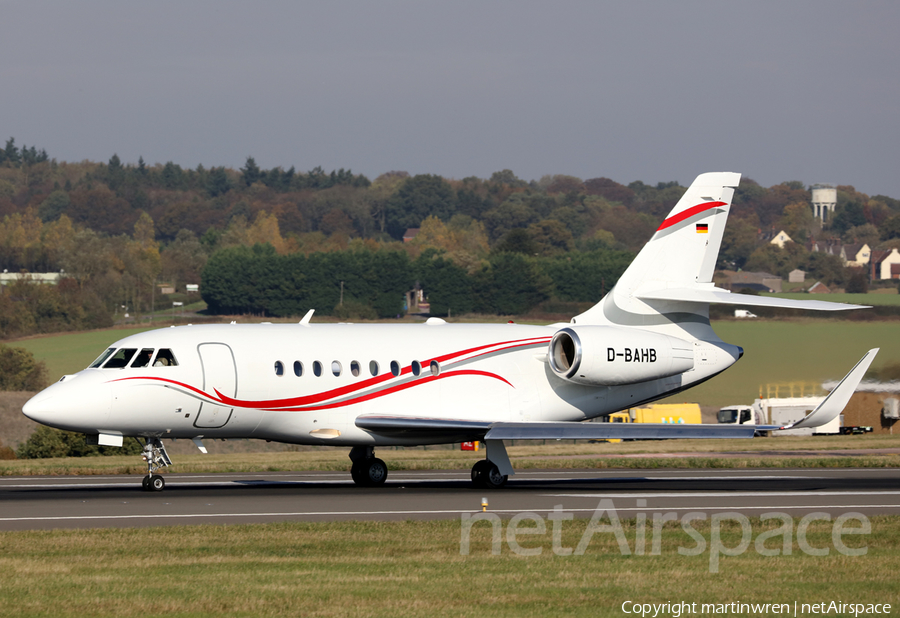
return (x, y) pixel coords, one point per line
(369, 385)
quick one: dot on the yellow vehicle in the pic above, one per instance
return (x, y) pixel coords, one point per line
(673, 413)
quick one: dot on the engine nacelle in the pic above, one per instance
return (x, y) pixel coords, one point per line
(605, 355)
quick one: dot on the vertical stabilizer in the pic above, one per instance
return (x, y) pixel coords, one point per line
(681, 254)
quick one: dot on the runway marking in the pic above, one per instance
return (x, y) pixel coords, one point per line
(438, 512)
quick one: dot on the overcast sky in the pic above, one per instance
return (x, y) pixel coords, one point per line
(651, 91)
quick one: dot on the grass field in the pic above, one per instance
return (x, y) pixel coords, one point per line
(71, 352)
(415, 568)
(792, 351)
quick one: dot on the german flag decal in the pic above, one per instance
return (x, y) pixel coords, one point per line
(702, 228)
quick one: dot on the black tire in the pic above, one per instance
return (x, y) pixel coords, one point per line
(356, 473)
(145, 483)
(375, 472)
(492, 478)
(157, 483)
(478, 472)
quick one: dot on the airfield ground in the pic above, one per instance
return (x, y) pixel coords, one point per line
(414, 568)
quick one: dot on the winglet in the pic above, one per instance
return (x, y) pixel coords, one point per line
(837, 399)
(307, 317)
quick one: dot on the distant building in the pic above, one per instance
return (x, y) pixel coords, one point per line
(45, 278)
(819, 288)
(853, 255)
(856, 254)
(781, 238)
(824, 201)
(885, 264)
(763, 282)
(410, 234)
(797, 276)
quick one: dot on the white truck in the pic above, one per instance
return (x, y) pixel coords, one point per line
(779, 411)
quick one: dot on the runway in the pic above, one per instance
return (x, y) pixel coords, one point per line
(40, 502)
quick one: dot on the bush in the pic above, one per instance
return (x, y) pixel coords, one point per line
(6, 452)
(19, 371)
(47, 442)
(858, 284)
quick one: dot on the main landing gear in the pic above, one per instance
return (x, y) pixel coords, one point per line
(156, 457)
(486, 474)
(367, 470)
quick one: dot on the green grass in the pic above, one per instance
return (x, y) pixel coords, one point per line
(72, 352)
(415, 568)
(792, 351)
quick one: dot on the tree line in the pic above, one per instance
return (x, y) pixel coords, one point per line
(118, 229)
(365, 282)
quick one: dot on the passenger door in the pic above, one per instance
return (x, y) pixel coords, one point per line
(219, 374)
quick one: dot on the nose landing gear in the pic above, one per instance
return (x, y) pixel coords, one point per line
(155, 455)
(367, 470)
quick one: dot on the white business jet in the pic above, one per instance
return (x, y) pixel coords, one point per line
(362, 385)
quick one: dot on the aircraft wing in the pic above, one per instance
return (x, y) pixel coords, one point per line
(477, 430)
(725, 297)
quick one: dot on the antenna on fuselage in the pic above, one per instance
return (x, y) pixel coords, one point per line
(307, 317)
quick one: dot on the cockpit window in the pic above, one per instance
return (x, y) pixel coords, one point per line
(143, 358)
(165, 358)
(100, 359)
(120, 359)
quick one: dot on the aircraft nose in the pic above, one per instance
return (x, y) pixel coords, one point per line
(39, 408)
(81, 406)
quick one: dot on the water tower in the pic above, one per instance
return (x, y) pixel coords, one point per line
(824, 199)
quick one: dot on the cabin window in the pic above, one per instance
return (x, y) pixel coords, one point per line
(102, 358)
(120, 359)
(373, 367)
(336, 368)
(298, 368)
(143, 358)
(395, 368)
(279, 368)
(354, 368)
(435, 368)
(317, 368)
(416, 368)
(165, 358)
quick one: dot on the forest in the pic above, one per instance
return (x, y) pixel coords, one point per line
(279, 241)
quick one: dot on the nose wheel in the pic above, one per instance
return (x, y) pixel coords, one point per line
(367, 470)
(155, 455)
(153, 483)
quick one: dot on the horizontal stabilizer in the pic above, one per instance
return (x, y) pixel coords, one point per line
(724, 297)
(837, 399)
